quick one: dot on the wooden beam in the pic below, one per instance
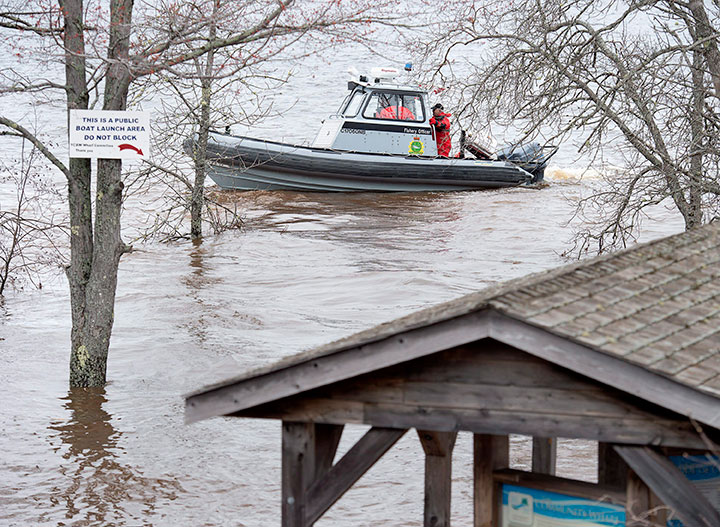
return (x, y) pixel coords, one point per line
(612, 470)
(438, 447)
(605, 368)
(628, 429)
(544, 455)
(671, 486)
(298, 470)
(326, 490)
(490, 453)
(665, 432)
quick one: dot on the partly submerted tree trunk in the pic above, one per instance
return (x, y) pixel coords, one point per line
(168, 36)
(200, 155)
(95, 252)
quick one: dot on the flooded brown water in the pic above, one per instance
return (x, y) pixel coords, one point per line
(307, 269)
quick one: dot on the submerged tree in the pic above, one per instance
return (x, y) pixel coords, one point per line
(635, 83)
(103, 50)
(228, 86)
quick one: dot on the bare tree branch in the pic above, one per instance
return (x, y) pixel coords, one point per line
(22, 131)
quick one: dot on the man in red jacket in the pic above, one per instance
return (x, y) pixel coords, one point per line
(441, 123)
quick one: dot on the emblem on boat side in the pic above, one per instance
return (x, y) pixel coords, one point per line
(416, 147)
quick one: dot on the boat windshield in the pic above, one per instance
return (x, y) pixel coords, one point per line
(395, 106)
(353, 105)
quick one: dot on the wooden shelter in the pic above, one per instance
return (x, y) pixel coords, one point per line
(621, 349)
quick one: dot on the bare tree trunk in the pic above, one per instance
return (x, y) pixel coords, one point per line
(81, 241)
(94, 261)
(693, 215)
(707, 39)
(198, 192)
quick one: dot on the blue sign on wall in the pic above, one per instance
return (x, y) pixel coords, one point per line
(524, 507)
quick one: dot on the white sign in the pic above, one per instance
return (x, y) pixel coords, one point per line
(109, 135)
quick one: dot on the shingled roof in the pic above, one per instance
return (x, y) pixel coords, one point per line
(655, 305)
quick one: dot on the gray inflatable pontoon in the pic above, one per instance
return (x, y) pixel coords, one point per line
(244, 163)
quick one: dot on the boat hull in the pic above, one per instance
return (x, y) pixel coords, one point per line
(244, 163)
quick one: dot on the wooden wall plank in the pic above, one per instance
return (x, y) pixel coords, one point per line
(671, 486)
(490, 453)
(486, 362)
(510, 396)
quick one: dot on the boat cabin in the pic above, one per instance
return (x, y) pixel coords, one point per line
(379, 115)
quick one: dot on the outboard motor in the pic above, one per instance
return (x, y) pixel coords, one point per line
(529, 156)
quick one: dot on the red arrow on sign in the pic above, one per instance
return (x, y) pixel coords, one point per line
(126, 146)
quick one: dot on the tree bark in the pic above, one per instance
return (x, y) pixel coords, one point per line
(705, 34)
(79, 178)
(694, 214)
(95, 253)
(198, 192)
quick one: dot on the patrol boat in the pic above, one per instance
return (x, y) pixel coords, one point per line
(380, 139)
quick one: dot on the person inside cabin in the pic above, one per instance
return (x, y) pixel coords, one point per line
(393, 111)
(441, 124)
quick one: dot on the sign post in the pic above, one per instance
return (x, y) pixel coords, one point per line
(109, 134)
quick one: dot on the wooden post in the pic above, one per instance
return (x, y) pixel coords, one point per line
(612, 470)
(438, 447)
(308, 450)
(298, 470)
(637, 502)
(490, 453)
(544, 455)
